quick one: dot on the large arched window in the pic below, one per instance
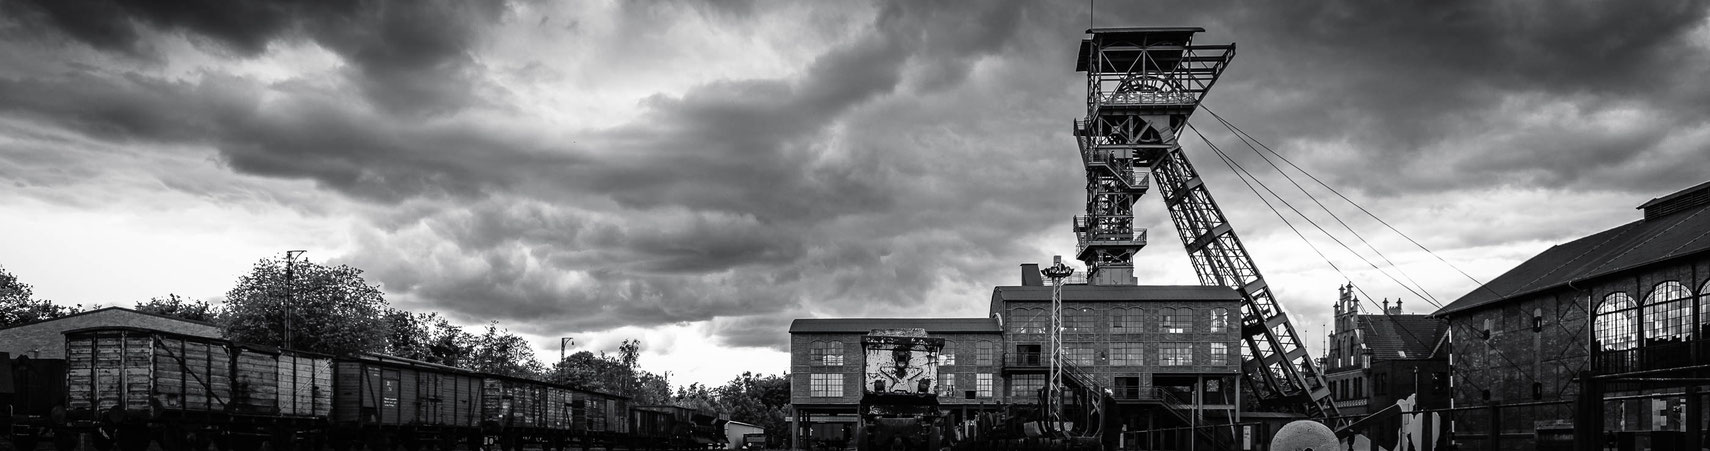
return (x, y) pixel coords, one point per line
(1617, 322)
(1219, 320)
(1704, 311)
(1668, 313)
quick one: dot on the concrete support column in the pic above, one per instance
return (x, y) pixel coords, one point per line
(1493, 438)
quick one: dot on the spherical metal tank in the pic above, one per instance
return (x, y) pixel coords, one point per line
(1304, 435)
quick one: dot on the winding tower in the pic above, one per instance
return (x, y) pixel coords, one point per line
(1142, 84)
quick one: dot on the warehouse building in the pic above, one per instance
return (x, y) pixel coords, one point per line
(1170, 355)
(1627, 309)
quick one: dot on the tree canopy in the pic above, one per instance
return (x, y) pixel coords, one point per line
(179, 306)
(331, 308)
(19, 306)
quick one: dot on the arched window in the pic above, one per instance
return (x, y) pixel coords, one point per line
(1704, 310)
(1125, 321)
(1617, 323)
(1176, 321)
(1219, 320)
(1668, 313)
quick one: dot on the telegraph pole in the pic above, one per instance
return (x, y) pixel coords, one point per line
(564, 343)
(290, 293)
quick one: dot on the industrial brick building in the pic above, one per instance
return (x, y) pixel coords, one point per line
(1625, 310)
(1375, 359)
(46, 339)
(1164, 352)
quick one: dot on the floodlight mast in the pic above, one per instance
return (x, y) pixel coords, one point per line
(1142, 85)
(1054, 387)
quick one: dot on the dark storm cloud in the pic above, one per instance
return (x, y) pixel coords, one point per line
(1400, 79)
(917, 155)
(407, 56)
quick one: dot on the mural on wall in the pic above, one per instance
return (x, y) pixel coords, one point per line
(901, 360)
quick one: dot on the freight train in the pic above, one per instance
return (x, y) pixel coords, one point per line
(127, 388)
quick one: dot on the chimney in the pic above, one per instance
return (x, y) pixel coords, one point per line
(1030, 276)
(1397, 309)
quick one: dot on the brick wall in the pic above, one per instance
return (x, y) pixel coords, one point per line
(1150, 337)
(46, 340)
(1516, 355)
(802, 367)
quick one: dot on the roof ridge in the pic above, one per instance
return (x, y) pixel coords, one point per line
(1653, 236)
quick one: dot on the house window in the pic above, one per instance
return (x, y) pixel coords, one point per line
(1175, 354)
(1359, 387)
(947, 356)
(826, 353)
(1127, 387)
(1219, 320)
(1704, 308)
(1125, 354)
(1175, 321)
(1126, 321)
(825, 385)
(1668, 313)
(983, 385)
(1219, 354)
(1025, 387)
(1380, 384)
(983, 353)
(1617, 323)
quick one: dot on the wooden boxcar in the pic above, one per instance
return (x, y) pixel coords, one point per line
(388, 391)
(387, 399)
(152, 374)
(138, 383)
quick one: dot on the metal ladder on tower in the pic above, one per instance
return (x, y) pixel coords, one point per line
(1142, 85)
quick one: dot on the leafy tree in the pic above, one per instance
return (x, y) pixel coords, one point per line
(756, 399)
(331, 308)
(617, 374)
(19, 306)
(500, 352)
(179, 306)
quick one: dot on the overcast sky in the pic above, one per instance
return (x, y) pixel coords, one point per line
(696, 175)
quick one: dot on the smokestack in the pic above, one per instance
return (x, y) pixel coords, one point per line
(1030, 276)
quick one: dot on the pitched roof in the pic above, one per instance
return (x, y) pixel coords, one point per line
(1401, 336)
(1119, 293)
(122, 309)
(864, 325)
(1628, 246)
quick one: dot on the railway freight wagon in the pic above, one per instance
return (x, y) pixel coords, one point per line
(34, 391)
(384, 400)
(672, 427)
(133, 385)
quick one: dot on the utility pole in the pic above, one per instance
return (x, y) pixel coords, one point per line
(290, 293)
(564, 343)
(1054, 388)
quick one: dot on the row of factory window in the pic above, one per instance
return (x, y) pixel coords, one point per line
(1123, 354)
(981, 386)
(830, 353)
(831, 385)
(1665, 316)
(1087, 320)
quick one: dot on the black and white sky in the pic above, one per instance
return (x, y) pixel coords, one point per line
(698, 174)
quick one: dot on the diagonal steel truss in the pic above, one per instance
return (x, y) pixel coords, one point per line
(1142, 85)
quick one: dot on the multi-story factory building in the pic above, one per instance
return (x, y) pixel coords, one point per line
(1170, 355)
(1624, 312)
